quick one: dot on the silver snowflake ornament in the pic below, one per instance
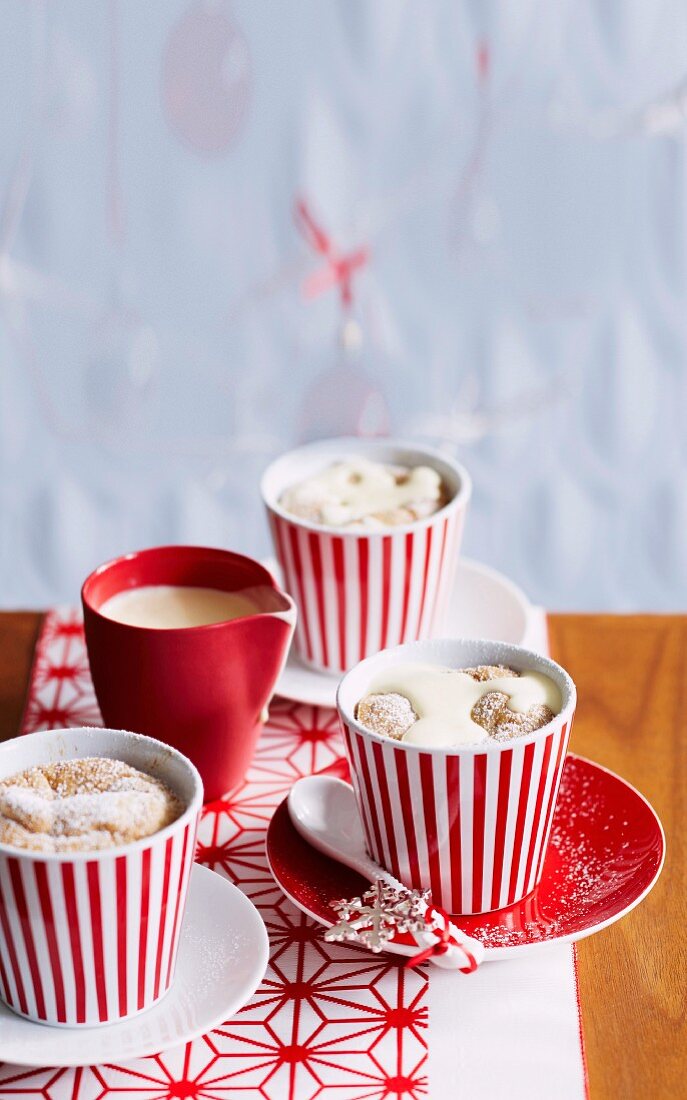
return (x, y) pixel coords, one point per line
(375, 918)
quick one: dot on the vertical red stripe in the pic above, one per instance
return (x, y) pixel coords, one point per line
(300, 590)
(440, 576)
(4, 986)
(318, 578)
(363, 570)
(74, 940)
(275, 529)
(97, 931)
(425, 579)
(537, 808)
(340, 582)
(27, 934)
(163, 915)
(505, 767)
(406, 801)
(580, 1029)
(143, 931)
(552, 798)
(455, 846)
(48, 914)
(430, 815)
(290, 581)
(12, 952)
(121, 884)
(386, 588)
(479, 795)
(180, 883)
(455, 529)
(369, 839)
(380, 770)
(407, 579)
(371, 800)
(520, 819)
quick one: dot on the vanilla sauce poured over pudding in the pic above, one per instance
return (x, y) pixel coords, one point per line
(170, 606)
(432, 706)
(359, 493)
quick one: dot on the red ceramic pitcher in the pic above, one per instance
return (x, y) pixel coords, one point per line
(202, 689)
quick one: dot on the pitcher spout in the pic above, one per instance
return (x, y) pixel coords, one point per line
(287, 614)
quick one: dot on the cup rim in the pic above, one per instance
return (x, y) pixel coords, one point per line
(350, 444)
(89, 855)
(132, 555)
(419, 648)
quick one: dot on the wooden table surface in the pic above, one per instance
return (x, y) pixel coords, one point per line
(631, 674)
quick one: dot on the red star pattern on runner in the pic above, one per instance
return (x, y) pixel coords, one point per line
(329, 1020)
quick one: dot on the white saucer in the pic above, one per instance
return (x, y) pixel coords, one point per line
(484, 604)
(223, 955)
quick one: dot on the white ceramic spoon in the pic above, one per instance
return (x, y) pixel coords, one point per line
(323, 810)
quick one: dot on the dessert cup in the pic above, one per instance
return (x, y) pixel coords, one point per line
(90, 937)
(469, 823)
(359, 591)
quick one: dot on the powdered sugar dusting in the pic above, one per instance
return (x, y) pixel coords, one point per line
(585, 872)
(79, 805)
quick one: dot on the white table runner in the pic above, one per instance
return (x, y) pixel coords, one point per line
(512, 1030)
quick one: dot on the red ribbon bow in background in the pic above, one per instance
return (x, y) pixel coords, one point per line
(340, 266)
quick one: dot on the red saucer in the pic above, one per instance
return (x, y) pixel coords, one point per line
(606, 851)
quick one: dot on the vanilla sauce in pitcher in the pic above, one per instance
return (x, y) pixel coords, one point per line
(171, 606)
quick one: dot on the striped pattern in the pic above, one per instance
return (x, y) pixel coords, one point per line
(472, 827)
(92, 941)
(357, 594)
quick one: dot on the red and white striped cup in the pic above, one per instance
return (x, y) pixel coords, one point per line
(90, 938)
(360, 591)
(471, 824)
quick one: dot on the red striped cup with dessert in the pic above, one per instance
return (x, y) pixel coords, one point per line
(456, 749)
(97, 837)
(367, 534)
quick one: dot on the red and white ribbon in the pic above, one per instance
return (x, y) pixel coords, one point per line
(445, 945)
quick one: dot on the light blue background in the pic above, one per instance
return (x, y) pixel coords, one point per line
(525, 304)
